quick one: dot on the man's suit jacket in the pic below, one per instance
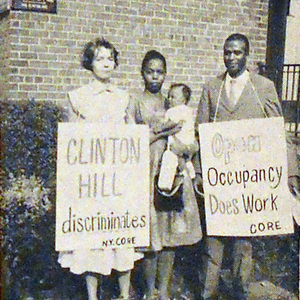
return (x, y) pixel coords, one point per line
(258, 100)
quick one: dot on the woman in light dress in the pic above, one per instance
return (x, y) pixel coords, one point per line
(100, 101)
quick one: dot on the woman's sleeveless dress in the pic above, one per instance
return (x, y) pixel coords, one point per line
(97, 102)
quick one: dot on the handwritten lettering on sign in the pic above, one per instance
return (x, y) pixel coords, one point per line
(102, 186)
(244, 167)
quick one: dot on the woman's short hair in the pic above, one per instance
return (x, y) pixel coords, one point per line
(239, 37)
(186, 91)
(153, 54)
(90, 50)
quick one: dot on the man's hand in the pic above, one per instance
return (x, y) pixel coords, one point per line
(293, 183)
(198, 184)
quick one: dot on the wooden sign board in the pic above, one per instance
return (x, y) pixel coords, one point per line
(102, 186)
(244, 165)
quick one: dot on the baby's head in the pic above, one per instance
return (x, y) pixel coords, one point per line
(179, 94)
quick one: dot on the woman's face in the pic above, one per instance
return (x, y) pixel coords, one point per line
(154, 75)
(103, 63)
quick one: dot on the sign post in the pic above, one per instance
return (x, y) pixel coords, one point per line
(102, 186)
(244, 167)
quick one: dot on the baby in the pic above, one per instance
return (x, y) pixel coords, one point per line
(179, 96)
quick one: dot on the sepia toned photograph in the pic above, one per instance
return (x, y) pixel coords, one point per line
(150, 149)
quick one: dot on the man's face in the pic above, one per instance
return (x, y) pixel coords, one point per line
(235, 57)
(154, 75)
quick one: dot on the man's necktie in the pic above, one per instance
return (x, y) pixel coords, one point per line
(232, 94)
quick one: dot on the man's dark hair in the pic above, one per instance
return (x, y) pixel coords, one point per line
(186, 91)
(239, 37)
(153, 54)
(90, 51)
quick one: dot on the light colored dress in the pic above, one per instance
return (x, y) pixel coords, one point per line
(186, 114)
(165, 231)
(98, 102)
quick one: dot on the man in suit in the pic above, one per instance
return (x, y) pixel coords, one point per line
(235, 95)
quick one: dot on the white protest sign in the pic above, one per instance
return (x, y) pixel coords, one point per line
(102, 186)
(244, 167)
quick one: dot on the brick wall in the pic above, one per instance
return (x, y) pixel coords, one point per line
(4, 54)
(44, 61)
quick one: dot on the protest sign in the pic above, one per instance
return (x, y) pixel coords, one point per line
(102, 186)
(244, 166)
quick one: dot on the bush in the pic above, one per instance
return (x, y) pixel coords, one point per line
(28, 175)
(28, 139)
(27, 225)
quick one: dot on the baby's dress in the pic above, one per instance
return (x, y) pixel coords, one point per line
(97, 102)
(186, 114)
(187, 133)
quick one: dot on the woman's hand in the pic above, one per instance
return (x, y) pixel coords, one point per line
(167, 128)
(164, 130)
(173, 130)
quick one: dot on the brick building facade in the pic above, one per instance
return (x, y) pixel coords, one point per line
(43, 51)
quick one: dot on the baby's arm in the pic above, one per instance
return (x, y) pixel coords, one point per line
(178, 147)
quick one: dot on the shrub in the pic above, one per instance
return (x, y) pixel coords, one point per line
(28, 175)
(27, 225)
(28, 139)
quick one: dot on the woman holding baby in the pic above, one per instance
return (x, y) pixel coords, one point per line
(168, 228)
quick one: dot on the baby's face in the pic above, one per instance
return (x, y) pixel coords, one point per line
(176, 96)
